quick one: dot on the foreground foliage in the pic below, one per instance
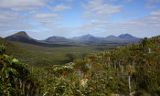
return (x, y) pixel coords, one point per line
(15, 78)
(132, 70)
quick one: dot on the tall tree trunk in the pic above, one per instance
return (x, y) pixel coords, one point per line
(129, 84)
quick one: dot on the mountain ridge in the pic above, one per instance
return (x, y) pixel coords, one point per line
(25, 38)
(22, 36)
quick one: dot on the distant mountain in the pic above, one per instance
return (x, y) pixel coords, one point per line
(58, 40)
(81, 40)
(129, 38)
(123, 38)
(113, 38)
(126, 36)
(86, 38)
(25, 38)
(90, 39)
(1, 37)
(55, 39)
(21, 37)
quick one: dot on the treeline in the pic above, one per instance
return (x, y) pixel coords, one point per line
(131, 70)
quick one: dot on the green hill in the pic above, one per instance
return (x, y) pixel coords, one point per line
(131, 70)
(35, 55)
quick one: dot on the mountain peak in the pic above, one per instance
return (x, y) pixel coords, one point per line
(85, 38)
(22, 34)
(126, 36)
(111, 36)
(55, 39)
(87, 35)
(129, 37)
(19, 36)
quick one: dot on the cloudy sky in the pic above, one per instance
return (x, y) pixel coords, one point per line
(43, 18)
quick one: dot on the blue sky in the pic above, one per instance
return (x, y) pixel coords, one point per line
(69, 18)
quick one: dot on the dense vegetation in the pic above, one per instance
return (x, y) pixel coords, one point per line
(131, 70)
(15, 78)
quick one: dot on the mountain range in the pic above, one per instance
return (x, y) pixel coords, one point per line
(22, 36)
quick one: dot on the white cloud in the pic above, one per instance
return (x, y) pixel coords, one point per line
(11, 18)
(48, 17)
(10, 21)
(18, 16)
(99, 10)
(27, 15)
(152, 4)
(126, 1)
(61, 7)
(21, 4)
(146, 26)
(48, 20)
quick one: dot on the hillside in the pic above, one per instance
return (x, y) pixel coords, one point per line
(36, 55)
(53, 50)
(129, 70)
(11, 48)
(132, 69)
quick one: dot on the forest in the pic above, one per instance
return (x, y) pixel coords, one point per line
(131, 70)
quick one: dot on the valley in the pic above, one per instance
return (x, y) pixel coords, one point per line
(83, 70)
(79, 47)
(54, 50)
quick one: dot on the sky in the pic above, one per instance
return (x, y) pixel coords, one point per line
(69, 18)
